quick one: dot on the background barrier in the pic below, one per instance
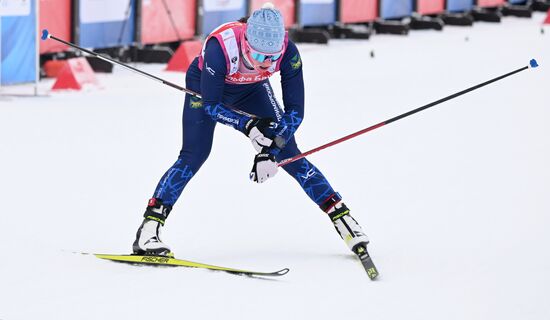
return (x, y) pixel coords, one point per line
(100, 28)
(102, 24)
(217, 12)
(167, 20)
(183, 57)
(459, 5)
(317, 12)
(76, 72)
(56, 16)
(355, 11)
(392, 9)
(18, 45)
(287, 8)
(426, 7)
(490, 3)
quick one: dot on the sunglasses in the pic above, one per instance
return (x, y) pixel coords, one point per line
(261, 57)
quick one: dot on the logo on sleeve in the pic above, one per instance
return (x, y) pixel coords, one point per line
(296, 62)
(196, 103)
(210, 70)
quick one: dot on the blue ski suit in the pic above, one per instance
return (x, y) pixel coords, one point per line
(201, 115)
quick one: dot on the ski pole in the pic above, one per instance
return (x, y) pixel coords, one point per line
(532, 64)
(47, 35)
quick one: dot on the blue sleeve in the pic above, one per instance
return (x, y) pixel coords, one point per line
(213, 75)
(292, 83)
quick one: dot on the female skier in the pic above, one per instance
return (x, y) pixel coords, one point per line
(232, 76)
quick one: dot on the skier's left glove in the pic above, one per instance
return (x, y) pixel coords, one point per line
(264, 167)
(261, 133)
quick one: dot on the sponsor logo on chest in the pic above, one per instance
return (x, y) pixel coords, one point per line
(246, 78)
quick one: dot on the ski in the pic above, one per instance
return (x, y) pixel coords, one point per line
(151, 260)
(367, 263)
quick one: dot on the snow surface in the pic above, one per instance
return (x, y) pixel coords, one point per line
(456, 199)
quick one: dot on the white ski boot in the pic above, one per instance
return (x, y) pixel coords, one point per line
(148, 240)
(348, 228)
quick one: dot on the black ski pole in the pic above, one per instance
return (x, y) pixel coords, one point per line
(532, 64)
(47, 35)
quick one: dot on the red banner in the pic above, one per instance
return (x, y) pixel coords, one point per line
(55, 15)
(167, 20)
(490, 3)
(430, 6)
(353, 11)
(287, 8)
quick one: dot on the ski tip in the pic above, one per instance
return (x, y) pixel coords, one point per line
(533, 63)
(282, 272)
(45, 34)
(253, 274)
(279, 273)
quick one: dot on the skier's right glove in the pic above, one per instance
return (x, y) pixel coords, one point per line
(261, 133)
(264, 167)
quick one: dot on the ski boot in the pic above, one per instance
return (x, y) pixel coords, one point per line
(352, 234)
(148, 240)
(348, 228)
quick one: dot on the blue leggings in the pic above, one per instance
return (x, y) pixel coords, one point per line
(198, 132)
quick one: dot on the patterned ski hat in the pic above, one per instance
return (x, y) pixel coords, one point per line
(265, 30)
